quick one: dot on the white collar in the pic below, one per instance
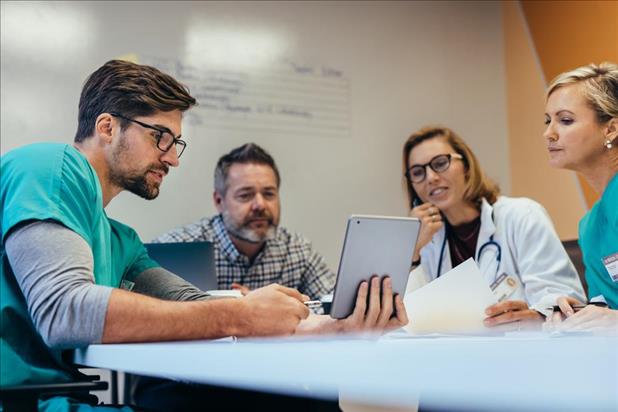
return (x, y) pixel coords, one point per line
(488, 227)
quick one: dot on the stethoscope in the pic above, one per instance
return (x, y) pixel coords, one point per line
(491, 242)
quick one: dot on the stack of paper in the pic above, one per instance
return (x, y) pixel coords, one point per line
(453, 303)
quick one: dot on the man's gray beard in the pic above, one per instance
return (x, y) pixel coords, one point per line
(246, 234)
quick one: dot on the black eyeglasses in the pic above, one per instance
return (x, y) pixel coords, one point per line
(438, 164)
(165, 138)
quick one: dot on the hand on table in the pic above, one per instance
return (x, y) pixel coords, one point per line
(512, 311)
(271, 310)
(599, 320)
(566, 304)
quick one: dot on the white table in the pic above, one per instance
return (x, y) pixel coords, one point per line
(519, 372)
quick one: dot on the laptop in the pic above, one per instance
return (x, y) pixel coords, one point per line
(192, 261)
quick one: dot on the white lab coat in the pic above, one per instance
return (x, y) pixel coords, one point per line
(530, 247)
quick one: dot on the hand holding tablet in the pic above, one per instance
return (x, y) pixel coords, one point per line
(376, 311)
(376, 308)
(373, 245)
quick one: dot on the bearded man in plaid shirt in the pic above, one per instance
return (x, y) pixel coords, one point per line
(251, 250)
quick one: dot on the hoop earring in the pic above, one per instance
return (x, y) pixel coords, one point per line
(608, 144)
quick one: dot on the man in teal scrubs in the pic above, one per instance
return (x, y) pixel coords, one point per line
(69, 273)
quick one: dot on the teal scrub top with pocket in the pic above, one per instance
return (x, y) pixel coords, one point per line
(55, 182)
(598, 240)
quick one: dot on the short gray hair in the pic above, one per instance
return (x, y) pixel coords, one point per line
(247, 153)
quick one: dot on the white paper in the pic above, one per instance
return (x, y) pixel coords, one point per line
(453, 303)
(225, 293)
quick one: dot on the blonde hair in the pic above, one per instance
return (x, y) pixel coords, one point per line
(600, 86)
(478, 185)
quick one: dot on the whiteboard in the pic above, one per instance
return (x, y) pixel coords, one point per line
(287, 98)
(361, 77)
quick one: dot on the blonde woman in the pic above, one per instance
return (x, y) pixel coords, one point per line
(582, 135)
(463, 216)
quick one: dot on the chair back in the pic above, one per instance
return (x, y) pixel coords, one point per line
(576, 256)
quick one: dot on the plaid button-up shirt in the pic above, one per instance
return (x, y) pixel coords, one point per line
(288, 259)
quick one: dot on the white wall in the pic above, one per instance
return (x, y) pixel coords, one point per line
(407, 63)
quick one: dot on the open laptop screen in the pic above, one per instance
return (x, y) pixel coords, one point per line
(192, 261)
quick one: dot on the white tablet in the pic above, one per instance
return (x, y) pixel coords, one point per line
(378, 245)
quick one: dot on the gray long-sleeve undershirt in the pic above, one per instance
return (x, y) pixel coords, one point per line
(54, 268)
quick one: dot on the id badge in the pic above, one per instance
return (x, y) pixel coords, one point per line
(504, 286)
(611, 265)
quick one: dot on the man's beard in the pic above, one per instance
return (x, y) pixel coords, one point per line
(244, 232)
(132, 180)
(138, 185)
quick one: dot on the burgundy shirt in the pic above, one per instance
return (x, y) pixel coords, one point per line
(462, 240)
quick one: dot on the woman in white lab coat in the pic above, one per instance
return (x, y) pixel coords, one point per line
(463, 216)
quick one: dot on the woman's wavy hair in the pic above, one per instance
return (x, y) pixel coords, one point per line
(478, 185)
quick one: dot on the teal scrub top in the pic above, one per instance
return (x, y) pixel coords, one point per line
(598, 239)
(55, 182)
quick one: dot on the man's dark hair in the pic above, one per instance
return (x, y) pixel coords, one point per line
(131, 90)
(247, 153)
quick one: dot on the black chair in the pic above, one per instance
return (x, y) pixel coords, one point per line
(24, 398)
(576, 256)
